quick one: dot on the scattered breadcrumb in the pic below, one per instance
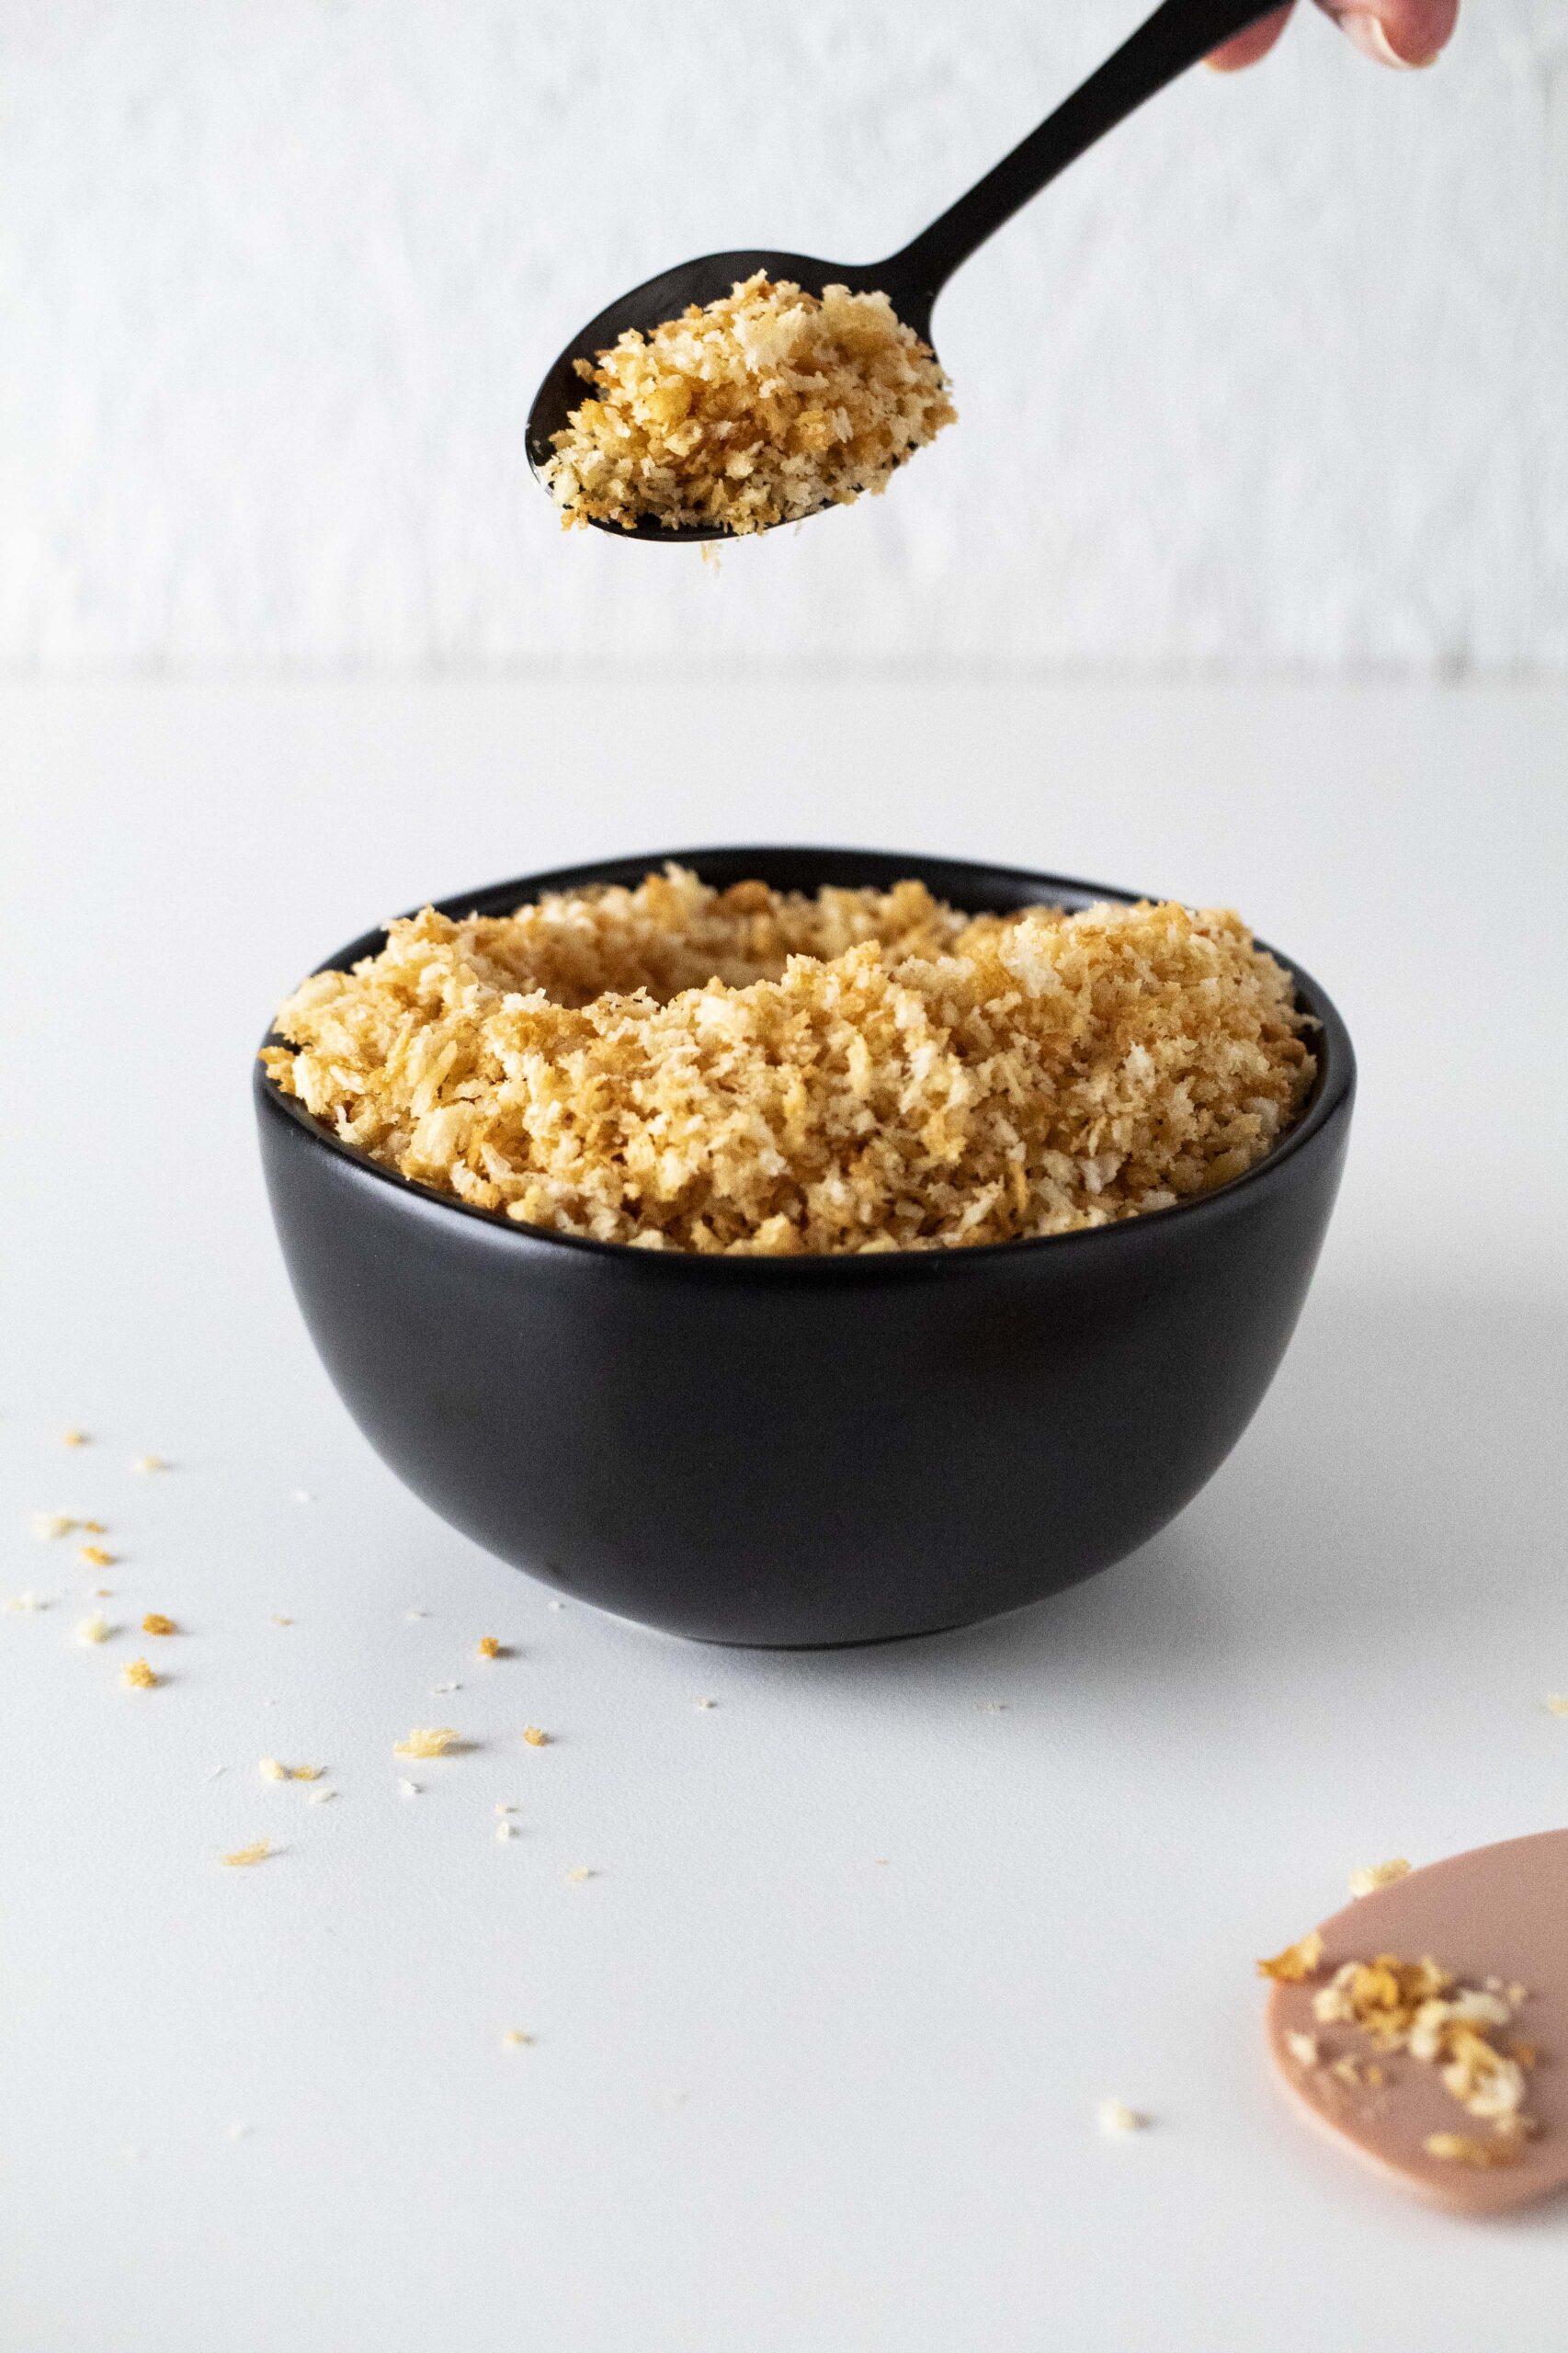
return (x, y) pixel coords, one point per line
(145, 1463)
(705, 1703)
(1558, 1703)
(432, 1740)
(321, 1797)
(276, 1618)
(308, 1772)
(490, 1647)
(271, 1770)
(411, 1617)
(139, 1675)
(1296, 1962)
(155, 1623)
(505, 1805)
(1304, 2048)
(555, 1605)
(47, 1525)
(505, 1827)
(535, 1737)
(1460, 2150)
(244, 1856)
(92, 1527)
(442, 1690)
(762, 407)
(514, 2039)
(408, 1788)
(1116, 2118)
(1376, 1875)
(93, 1556)
(96, 1628)
(1417, 2007)
(101, 1593)
(581, 1871)
(74, 1438)
(758, 1072)
(25, 1601)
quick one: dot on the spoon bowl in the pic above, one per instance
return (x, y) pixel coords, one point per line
(701, 282)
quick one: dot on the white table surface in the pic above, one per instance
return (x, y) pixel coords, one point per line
(819, 2046)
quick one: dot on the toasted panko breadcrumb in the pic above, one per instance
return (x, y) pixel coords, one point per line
(489, 1647)
(757, 1072)
(514, 2039)
(1296, 1962)
(1458, 2149)
(146, 1464)
(244, 1856)
(155, 1623)
(139, 1675)
(535, 1737)
(432, 1740)
(1115, 2118)
(74, 1438)
(1415, 2007)
(93, 1556)
(760, 408)
(1376, 1875)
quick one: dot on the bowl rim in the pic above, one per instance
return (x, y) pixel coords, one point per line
(964, 880)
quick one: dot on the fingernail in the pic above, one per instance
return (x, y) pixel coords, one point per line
(1367, 31)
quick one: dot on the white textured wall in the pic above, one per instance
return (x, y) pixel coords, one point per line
(1279, 375)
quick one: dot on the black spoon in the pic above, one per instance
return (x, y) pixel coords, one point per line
(1174, 37)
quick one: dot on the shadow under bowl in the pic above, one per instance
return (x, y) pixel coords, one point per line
(814, 1451)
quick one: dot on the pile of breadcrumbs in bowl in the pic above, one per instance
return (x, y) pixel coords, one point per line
(750, 1071)
(764, 407)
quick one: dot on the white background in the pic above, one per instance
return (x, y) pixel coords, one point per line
(1273, 378)
(1271, 385)
(787, 2096)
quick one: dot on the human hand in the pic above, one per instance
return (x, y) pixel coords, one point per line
(1402, 33)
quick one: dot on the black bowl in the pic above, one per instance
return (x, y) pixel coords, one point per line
(804, 1450)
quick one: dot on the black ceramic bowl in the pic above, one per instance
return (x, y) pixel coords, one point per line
(804, 1450)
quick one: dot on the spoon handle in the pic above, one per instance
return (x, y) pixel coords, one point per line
(1174, 38)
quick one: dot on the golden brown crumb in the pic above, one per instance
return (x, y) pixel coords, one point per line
(307, 1772)
(244, 1856)
(1415, 2007)
(139, 1675)
(434, 1740)
(92, 1527)
(93, 1556)
(760, 408)
(74, 1437)
(1460, 2150)
(1296, 1962)
(146, 1464)
(155, 1623)
(535, 1738)
(96, 1628)
(1376, 1875)
(1115, 2117)
(489, 1647)
(757, 1072)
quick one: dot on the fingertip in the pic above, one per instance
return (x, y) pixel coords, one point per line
(1245, 48)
